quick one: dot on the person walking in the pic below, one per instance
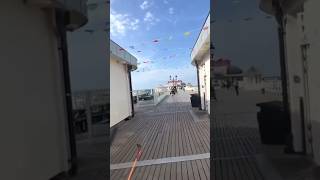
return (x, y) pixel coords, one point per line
(236, 87)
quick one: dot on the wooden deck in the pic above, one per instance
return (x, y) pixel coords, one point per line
(235, 139)
(167, 130)
(170, 130)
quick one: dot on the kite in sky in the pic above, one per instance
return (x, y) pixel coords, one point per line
(138, 51)
(155, 41)
(132, 47)
(186, 33)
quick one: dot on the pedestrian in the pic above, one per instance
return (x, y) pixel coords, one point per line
(236, 87)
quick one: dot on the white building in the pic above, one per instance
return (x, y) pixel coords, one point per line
(35, 95)
(200, 57)
(121, 100)
(300, 22)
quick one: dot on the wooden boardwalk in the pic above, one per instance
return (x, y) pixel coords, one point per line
(235, 141)
(167, 130)
(170, 130)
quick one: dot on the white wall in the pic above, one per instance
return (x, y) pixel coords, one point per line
(33, 117)
(204, 70)
(294, 68)
(312, 29)
(120, 100)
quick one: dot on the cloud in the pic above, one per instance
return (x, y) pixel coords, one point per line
(145, 5)
(150, 19)
(165, 2)
(171, 10)
(121, 23)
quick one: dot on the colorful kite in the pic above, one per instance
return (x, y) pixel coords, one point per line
(138, 51)
(155, 41)
(186, 33)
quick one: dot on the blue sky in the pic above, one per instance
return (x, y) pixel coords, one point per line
(140, 22)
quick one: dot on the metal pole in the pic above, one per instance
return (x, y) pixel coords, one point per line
(197, 66)
(60, 20)
(284, 80)
(130, 86)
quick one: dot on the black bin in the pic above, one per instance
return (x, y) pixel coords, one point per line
(195, 100)
(274, 125)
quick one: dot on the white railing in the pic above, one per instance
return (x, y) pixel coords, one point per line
(81, 99)
(273, 87)
(159, 94)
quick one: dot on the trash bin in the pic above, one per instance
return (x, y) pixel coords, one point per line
(274, 125)
(195, 100)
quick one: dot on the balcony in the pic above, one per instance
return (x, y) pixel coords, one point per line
(122, 55)
(76, 10)
(203, 42)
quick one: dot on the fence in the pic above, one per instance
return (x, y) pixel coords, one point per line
(150, 96)
(90, 108)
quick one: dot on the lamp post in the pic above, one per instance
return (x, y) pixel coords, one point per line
(176, 80)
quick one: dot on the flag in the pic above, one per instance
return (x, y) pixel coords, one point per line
(155, 41)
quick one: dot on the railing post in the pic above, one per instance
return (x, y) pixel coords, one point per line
(88, 113)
